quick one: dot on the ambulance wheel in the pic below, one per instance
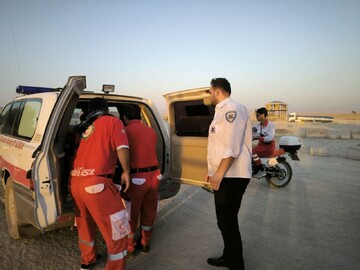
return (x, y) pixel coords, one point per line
(2, 191)
(11, 210)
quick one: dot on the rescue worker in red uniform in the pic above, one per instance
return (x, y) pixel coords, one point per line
(264, 131)
(98, 202)
(145, 176)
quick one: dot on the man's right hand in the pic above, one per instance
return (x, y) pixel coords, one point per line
(125, 180)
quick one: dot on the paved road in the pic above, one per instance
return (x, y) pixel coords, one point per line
(313, 223)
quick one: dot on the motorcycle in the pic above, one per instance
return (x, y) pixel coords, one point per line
(277, 171)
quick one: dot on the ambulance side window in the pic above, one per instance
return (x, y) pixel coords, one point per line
(4, 115)
(10, 122)
(29, 119)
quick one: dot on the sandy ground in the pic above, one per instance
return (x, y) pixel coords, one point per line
(313, 223)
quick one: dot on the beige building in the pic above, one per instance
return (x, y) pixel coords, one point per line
(277, 109)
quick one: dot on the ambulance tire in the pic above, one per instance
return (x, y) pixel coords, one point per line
(2, 191)
(11, 210)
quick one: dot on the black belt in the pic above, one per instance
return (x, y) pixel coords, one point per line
(106, 175)
(147, 169)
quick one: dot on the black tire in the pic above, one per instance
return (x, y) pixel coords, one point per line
(2, 191)
(11, 210)
(281, 179)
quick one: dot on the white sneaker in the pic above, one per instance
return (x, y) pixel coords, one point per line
(259, 174)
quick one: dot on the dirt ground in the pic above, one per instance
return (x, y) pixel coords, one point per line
(313, 223)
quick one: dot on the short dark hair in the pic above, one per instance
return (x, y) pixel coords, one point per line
(98, 104)
(131, 111)
(262, 110)
(221, 83)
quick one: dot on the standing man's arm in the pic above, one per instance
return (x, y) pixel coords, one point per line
(120, 141)
(224, 166)
(123, 156)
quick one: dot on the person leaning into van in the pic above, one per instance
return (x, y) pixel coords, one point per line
(145, 176)
(97, 200)
(265, 132)
(229, 168)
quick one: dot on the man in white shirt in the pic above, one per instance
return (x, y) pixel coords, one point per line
(229, 168)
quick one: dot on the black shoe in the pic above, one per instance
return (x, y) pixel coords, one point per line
(141, 247)
(144, 248)
(90, 265)
(132, 254)
(217, 261)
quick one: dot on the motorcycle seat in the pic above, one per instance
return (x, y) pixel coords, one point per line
(276, 153)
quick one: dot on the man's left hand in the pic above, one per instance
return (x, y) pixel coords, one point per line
(214, 181)
(125, 180)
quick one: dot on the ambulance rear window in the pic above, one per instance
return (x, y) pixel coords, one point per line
(192, 118)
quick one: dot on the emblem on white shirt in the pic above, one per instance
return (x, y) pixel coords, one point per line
(230, 116)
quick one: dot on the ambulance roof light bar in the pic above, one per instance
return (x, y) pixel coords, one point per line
(22, 89)
(108, 88)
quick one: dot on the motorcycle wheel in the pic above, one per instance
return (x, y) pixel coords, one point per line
(282, 177)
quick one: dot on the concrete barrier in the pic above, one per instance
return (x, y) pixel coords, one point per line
(355, 134)
(345, 136)
(319, 151)
(353, 153)
(282, 132)
(333, 136)
(316, 133)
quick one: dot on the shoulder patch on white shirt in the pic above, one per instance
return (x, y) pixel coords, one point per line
(230, 116)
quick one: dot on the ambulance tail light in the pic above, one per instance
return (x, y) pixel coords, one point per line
(29, 177)
(22, 89)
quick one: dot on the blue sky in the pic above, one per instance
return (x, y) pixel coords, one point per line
(305, 53)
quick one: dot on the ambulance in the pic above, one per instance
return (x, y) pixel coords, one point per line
(37, 130)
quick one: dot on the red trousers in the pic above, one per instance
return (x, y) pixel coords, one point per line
(263, 149)
(98, 203)
(144, 197)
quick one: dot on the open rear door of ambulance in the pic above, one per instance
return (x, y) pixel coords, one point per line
(190, 114)
(46, 164)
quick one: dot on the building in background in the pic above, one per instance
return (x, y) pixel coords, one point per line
(277, 109)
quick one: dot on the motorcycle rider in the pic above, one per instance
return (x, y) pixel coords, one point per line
(264, 131)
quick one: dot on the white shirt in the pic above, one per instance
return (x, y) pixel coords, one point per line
(230, 135)
(267, 131)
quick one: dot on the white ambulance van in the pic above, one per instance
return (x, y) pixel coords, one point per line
(36, 144)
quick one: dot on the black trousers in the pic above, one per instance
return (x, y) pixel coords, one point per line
(227, 205)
